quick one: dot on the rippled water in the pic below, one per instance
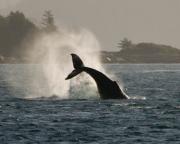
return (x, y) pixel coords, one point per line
(151, 116)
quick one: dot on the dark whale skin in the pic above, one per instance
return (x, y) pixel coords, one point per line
(107, 88)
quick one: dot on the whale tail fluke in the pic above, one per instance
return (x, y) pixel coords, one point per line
(78, 65)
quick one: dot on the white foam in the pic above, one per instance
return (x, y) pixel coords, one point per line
(53, 52)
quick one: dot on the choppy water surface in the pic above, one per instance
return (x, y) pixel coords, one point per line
(152, 115)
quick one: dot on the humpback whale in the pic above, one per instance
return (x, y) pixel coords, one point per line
(107, 88)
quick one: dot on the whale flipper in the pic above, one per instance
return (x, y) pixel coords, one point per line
(107, 88)
(77, 62)
(78, 65)
(73, 74)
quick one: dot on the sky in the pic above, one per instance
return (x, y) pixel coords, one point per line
(156, 21)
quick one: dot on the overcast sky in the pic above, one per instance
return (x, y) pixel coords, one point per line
(155, 21)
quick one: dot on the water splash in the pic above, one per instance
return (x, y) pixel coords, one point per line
(53, 51)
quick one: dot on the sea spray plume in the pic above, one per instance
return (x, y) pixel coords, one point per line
(51, 51)
(50, 54)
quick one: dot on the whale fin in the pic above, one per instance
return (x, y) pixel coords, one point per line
(73, 74)
(77, 62)
(78, 65)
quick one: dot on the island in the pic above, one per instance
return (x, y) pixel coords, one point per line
(143, 53)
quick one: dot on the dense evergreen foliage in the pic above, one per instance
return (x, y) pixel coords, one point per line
(15, 29)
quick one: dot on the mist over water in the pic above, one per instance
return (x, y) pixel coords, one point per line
(52, 53)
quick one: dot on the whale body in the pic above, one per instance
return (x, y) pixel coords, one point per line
(107, 88)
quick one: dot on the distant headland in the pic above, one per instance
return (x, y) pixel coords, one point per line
(142, 53)
(16, 30)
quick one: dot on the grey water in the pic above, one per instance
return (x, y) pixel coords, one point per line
(151, 116)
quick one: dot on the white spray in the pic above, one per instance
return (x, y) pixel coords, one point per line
(53, 51)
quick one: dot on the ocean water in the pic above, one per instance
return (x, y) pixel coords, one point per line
(151, 115)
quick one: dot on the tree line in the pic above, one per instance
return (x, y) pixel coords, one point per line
(127, 46)
(15, 28)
